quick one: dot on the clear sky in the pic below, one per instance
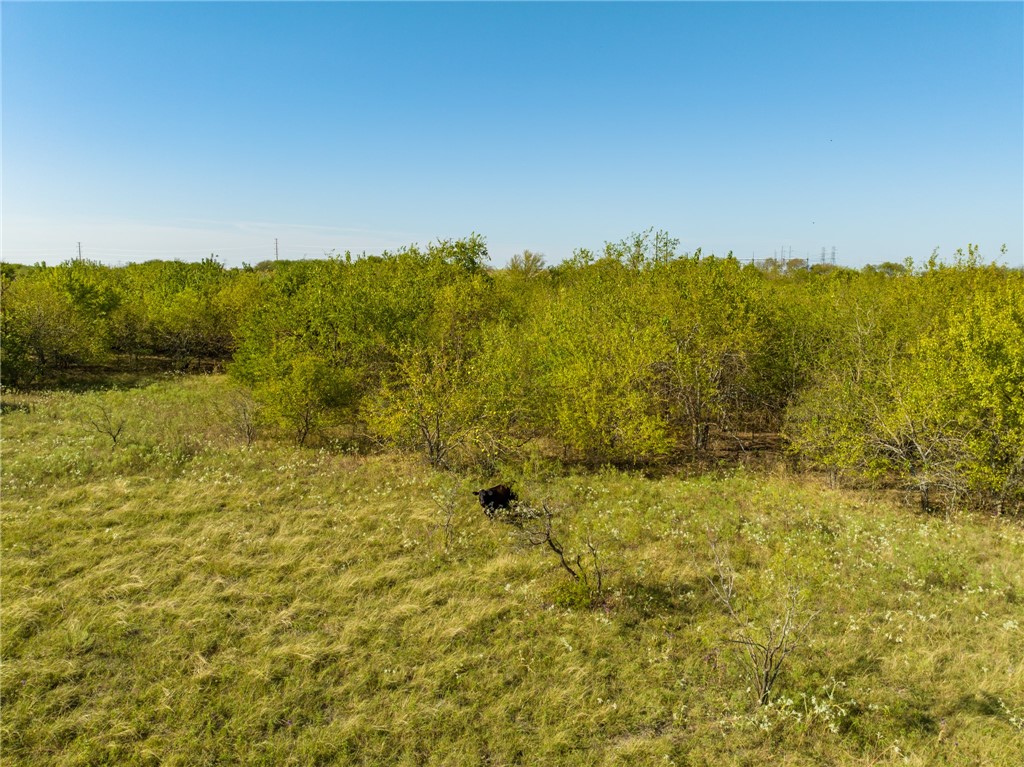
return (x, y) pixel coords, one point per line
(176, 130)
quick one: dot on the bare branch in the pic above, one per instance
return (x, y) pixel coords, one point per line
(103, 420)
(764, 651)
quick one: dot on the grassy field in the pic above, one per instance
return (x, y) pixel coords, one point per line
(175, 599)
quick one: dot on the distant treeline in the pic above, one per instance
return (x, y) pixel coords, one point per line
(637, 354)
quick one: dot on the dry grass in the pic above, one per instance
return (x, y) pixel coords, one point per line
(179, 599)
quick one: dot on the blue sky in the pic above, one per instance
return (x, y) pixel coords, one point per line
(176, 130)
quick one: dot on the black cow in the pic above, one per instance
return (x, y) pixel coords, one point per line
(494, 498)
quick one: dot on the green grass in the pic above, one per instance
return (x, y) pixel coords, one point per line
(177, 599)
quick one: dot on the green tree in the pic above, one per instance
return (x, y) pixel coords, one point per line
(15, 363)
(428, 404)
(918, 381)
(959, 414)
(595, 367)
(715, 323)
(304, 396)
(528, 264)
(45, 329)
(864, 330)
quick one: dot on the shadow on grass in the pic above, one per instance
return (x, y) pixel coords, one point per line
(6, 406)
(915, 715)
(639, 601)
(979, 704)
(121, 373)
(863, 665)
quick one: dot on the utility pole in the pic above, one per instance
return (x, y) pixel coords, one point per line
(79, 251)
(275, 249)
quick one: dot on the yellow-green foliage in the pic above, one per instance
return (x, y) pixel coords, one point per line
(180, 599)
(427, 405)
(921, 377)
(638, 355)
(595, 368)
(968, 385)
